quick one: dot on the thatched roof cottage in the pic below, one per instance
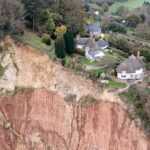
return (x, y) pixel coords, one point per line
(133, 68)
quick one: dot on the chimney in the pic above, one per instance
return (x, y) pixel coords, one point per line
(138, 54)
(78, 37)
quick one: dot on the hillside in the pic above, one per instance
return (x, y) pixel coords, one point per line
(130, 4)
(54, 109)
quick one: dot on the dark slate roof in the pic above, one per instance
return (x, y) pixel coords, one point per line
(95, 27)
(82, 41)
(102, 43)
(94, 47)
(131, 65)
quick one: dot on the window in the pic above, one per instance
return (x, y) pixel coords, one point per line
(131, 76)
(123, 76)
(136, 75)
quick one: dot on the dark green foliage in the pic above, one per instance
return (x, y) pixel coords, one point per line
(2, 70)
(137, 97)
(146, 53)
(60, 48)
(116, 27)
(133, 19)
(46, 39)
(33, 9)
(120, 43)
(69, 41)
(87, 7)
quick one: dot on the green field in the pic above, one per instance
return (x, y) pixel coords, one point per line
(131, 4)
(35, 41)
(116, 84)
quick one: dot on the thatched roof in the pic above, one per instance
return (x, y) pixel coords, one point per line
(131, 65)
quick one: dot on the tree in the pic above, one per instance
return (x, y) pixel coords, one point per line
(11, 17)
(116, 27)
(60, 48)
(72, 13)
(133, 19)
(146, 53)
(122, 11)
(60, 31)
(47, 22)
(69, 41)
(86, 7)
(120, 42)
(33, 10)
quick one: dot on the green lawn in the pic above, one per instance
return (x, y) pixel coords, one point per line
(85, 61)
(116, 84)
(35, 41)
(147, 90)
(131, 4)
(109, 53)
(68, 58)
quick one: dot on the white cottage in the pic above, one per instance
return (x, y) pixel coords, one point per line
(93, 49)
(133, 68)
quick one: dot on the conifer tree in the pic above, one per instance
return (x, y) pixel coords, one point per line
(60, 48)
(69, 41)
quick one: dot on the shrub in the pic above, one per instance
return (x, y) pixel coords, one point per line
(121, 53)
(146, 53)
(69, 41)
(116, 27)
(46, 39)
(87, 100)
(87, 7)
(133, 19)
(121, 43)
(60, 48)
(2, 70)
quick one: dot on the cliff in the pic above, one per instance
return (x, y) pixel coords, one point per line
(40, 119)
(48, 115)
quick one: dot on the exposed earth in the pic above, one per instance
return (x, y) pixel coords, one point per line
(47, 113)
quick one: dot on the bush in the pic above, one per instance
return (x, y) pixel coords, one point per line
(120, 43)
(146, 53)
(60, 48)
(116, 27)
(69, 41)
(121, 53)
(133, 19)
(86, 7)
(46, 39)
(2, 70)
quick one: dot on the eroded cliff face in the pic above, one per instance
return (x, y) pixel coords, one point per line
(41, 119)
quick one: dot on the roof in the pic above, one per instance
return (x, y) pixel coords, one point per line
(81, 41)
(131, 65)
(94, 47)
(102, 43)
(95, 27)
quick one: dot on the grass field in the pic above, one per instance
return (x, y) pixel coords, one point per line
(116, 84)
(85, 61)
(131, 4)
(35, 41)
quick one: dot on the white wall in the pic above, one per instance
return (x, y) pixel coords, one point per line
(137, 75)
(80, 46)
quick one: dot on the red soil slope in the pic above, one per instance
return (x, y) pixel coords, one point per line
(42, 120)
